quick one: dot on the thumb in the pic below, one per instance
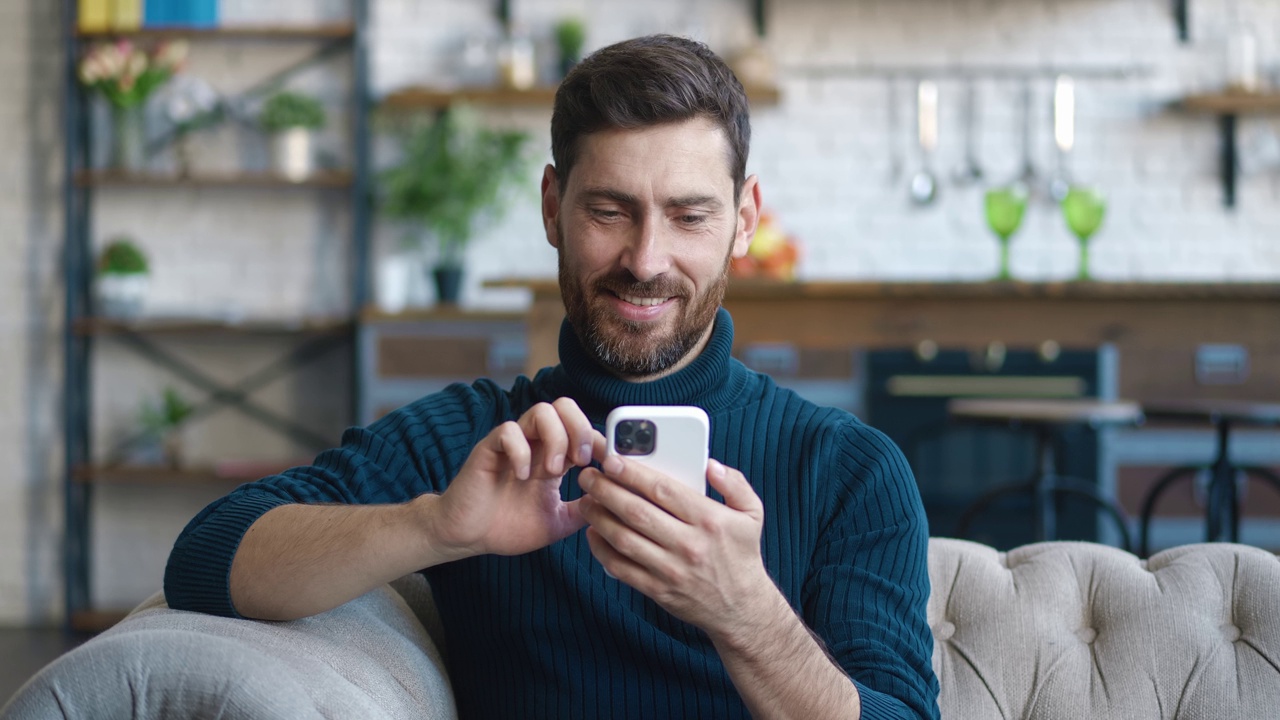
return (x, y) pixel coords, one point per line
(738, 493)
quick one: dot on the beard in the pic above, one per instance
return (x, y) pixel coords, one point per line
(633, 349)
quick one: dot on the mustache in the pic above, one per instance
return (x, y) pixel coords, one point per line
(624, 283)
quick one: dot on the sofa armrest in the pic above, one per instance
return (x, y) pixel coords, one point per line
(370, 658)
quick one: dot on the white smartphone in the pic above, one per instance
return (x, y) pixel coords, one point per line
(672, 439)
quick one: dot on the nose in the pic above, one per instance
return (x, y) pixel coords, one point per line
(648, 254)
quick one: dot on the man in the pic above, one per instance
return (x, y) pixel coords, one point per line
(796, 588)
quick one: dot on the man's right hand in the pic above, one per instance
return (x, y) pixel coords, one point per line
(298, 560)
(506, 499)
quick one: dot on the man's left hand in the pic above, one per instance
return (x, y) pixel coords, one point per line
(697, 558)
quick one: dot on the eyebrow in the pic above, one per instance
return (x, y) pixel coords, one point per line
(710, 202)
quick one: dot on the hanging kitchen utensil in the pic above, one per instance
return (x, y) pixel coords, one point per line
(1028, 178)
(924, 185)
(1064, 134)
(893, 131)
(970, 170)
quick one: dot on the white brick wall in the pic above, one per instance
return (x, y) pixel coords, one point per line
(825, 157)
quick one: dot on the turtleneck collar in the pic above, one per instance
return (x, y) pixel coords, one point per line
(711, 381)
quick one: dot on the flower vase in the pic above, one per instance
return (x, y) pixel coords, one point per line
(128, 138)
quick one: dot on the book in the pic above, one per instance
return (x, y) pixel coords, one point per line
(202, 13)
(94, 15)
(126, 14)
(159, 13)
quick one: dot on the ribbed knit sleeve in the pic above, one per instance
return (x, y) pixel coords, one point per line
(868, 586)
(414, 450)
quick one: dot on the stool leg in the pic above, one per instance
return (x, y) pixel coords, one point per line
(1070, 486)
(1221, 519)
(1149, 505)
(988, 498)
(1262, 474)
(1045, 505)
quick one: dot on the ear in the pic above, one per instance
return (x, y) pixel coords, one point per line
(551, 205)
(748, 216)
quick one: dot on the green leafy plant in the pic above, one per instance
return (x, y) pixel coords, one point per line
(571, 35)
(122, 257)
(452, 174)
(159, 418)
(286, 110)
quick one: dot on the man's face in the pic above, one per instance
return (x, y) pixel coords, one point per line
(644, 233)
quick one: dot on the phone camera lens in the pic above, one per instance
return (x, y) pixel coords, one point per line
(625, 443)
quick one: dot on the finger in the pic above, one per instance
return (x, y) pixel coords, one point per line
(615, 563)
(542, 423)
(581, 438)
(509, 440)
(617, 511)
(738, 493)
(654, 486)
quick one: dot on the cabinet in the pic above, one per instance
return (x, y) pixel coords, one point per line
(308, 337)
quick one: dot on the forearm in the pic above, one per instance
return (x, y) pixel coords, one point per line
(781, 671)
(299, 560)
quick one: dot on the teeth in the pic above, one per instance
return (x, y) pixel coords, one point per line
(643, 301)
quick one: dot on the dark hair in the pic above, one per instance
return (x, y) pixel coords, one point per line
(647, 81)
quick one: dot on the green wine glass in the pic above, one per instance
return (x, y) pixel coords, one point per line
(1084, 209)
(1005, 207)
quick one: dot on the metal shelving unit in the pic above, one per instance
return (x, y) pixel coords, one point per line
(313, 336)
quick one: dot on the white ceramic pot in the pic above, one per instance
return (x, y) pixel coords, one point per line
(291, 153)
(122, 296)
(394, 278)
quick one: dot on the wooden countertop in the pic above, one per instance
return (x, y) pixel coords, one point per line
(763, 290)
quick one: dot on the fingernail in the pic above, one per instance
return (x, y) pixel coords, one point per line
(584, 454)
(612, 465)
(557, 463)
(523, 472)
(717, 470)
(586, 480)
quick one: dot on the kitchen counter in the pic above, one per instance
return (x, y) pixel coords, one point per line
(1157, 327)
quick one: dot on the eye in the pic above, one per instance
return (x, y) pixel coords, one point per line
(692, 220)
(605, 213)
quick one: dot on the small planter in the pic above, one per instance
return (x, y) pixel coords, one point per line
(121, 296)
(448, 284)
(395, 275)
(291, 153)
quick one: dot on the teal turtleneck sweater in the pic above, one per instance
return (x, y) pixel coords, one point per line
(548, 634)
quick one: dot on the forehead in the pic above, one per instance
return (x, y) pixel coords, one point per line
(671, 159)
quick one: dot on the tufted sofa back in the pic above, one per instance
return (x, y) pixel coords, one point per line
(1077, 630)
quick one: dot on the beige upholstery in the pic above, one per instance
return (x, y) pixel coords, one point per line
(1055, 630)
(1076, 630)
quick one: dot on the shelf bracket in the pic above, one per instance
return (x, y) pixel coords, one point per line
(1227, 127)
(760, 12)
(1180, 16)
(503, 13)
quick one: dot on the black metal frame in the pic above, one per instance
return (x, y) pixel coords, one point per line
(77, 264)
(1045, 486)
(1222, 501)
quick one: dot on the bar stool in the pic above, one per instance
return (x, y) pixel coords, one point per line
(1046, 484)
(1222, 500)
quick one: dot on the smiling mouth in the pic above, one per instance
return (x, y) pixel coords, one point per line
(642, 301)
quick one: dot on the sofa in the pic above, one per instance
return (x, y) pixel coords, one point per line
(1050, 630)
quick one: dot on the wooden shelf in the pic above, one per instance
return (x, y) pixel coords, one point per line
(328, 179)
(326, 31)
(746, 289)
(1232, 103)
(196, 326)
(223, 473)
(374, 314)
(95, 621)
(426, 98)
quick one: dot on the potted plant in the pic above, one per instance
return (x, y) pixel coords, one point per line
(452, 175)
(160, 420)
(123, 278)
(291, 119)
(126, 75)
(571, 35)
